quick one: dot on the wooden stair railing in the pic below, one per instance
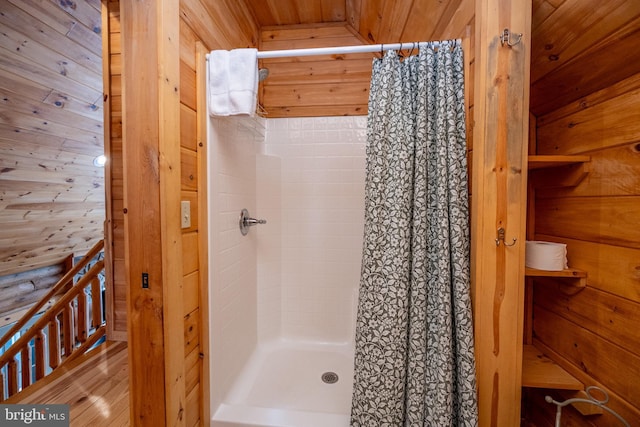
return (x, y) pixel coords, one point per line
(73, 326)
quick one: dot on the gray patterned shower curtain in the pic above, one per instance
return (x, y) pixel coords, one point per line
(414, 363)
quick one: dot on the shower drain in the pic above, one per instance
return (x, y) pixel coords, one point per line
(330, 377)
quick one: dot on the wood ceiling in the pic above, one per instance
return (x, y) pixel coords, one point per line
(51, 125)
(578, 46)
(377, 21)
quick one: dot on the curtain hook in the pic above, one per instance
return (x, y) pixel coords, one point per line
(381, 49)
(413, 46)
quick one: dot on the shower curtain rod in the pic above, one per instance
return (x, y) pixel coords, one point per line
(340, 50)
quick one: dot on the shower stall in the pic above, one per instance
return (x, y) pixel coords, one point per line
(283, 297)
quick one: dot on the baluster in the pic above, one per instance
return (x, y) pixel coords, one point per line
(68, 329)
(96, 303)
(54, 342)
(1, 387)
(12, 377)
(82, 316)
(25, 365)
(39, 344)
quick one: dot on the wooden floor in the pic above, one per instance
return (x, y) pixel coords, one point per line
(96, 386)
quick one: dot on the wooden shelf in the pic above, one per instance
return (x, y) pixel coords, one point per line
(577, 277)
(551, 161)
(539, 371)
(568, 171)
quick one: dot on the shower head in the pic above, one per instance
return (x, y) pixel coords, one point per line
(263, 73)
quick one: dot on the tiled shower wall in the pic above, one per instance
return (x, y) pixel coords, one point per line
(297, 276)
(322, 210)
(234, 145)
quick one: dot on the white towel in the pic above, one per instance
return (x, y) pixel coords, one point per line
(233, 82)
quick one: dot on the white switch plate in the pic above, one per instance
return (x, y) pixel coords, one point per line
(185, 213)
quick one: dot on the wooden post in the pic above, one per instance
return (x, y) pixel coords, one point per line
(54, 342)
(96, 305)
(153, 244)
(68, 329)
(499, 184)
(39, 345)
(25, 365)
(12, 378)
(203, 232)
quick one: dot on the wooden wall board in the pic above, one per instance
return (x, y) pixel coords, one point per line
(569, 82)
(47, 76)
(48, 13)
(605, 124)
(588, 27)
(192, 369)
(429, 20)
(89, 128)
(191, 288)
(612, 269)
(190, 258)
(192, 407)
(304, 32)
(606, 220)
(189, 169)
(321, 94)
(316, 111)
(188, 138)
(28, 88)
(599, 358)
(291, 12)
(607, 315)
(326, 84)
(611, 172)
(236, 20)
(115, 300)
(187, 45)
(187, 86)
(51, 129)
(191, 331)
(619, 89)
(300, 73)
(76, 68)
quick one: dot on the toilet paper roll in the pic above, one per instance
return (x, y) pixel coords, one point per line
(545, 255)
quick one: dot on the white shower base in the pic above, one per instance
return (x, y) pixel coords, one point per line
(281, 386)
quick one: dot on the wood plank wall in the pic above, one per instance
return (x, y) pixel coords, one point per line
(327, 85)
(51, 128)
(594, 333)
(117, 297)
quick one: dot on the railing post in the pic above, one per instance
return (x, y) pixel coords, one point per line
(96, 303)
(39, 344)
(12, 377)
(25, 365)
(82, 317)
(68, 334)
(54, 342)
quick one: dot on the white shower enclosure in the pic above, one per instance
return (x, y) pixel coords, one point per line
(283, 298)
